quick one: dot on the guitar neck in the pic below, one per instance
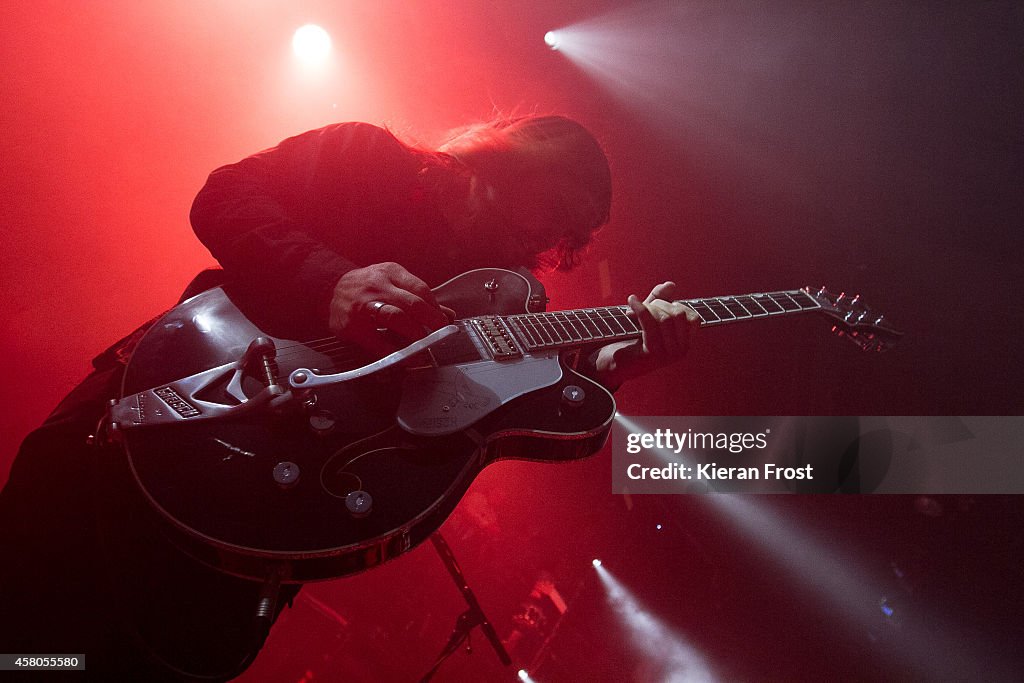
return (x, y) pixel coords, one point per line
(563, 329)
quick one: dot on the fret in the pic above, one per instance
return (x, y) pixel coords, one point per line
(789, 296)
(743, 307)
(558, 323)
(739, 302)
(571, 333)
(785, 301)
(802, 300)
(735, 308)
(542, 331)
(703, 310)
(766, 302)
(534, 333)
(601, 324)
(752, 305)
(624, 321)
(526, 337)
(588, 324)
(720, 309)
(550, 328)
(580, 326)
(606, 315)
(577, 322)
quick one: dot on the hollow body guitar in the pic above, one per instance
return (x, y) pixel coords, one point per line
(262, 455)
(330, 480)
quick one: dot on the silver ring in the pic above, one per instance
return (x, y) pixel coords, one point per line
(375, 308)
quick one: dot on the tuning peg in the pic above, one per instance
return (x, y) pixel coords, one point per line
(822, 291)
(838, 332)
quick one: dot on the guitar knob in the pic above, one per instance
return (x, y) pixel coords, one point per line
(573, 396)
(286, 474)
(359, 503)
(322, 422)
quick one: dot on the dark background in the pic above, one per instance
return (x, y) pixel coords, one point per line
(875, 147)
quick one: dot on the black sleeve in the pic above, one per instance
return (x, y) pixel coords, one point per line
(266, 219)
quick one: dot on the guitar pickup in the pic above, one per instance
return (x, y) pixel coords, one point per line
(497, 338)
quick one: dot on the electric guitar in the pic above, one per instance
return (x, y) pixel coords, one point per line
(264, 454)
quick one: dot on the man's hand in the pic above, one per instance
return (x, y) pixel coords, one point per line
(384, 296)
(666, 327)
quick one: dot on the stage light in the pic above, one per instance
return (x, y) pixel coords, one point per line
(657, 640)
(596, 562)
(311, 44)
(658, 527)
(523, 675)
(552, 40)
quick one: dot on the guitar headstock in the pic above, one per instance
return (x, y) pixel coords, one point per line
(854, 320)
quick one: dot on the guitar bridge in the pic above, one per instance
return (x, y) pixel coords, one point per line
(497, 337)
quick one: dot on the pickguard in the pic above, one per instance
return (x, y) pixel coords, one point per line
(448, 399)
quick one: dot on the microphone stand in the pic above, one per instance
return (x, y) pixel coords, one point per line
(468, 620)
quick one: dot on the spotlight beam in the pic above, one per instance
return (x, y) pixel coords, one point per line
(840, 582)
(652, 636)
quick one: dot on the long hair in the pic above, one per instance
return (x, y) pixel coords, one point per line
(528, 166)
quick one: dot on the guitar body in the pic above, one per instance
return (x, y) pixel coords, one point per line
(346, 476)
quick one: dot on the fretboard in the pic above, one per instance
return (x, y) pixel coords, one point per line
(558, 329)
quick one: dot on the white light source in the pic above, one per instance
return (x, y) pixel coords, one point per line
(653, 637)
(596, 562)
(311, 44)
(551, 38)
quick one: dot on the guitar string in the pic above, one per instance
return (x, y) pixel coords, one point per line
(331, 346)
(325, 342)
(341, 353)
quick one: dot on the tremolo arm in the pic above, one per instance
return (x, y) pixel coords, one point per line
(304, 378)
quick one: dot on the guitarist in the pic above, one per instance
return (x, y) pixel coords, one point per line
(341, 230)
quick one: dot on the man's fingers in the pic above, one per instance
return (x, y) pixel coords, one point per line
(681, 320)
(414, 296)
(384, 295)
(393, 318)
(405, 280)
(652, 340)
(420, 312)
(673, 339)
(663, 291)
